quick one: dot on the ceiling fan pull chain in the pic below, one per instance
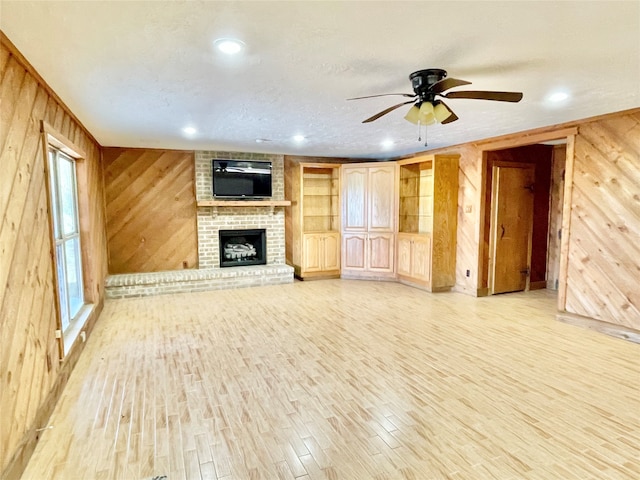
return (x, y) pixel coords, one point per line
(425, 135)
(419, 136)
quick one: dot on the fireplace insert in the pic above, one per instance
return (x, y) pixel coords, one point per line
(242, 247)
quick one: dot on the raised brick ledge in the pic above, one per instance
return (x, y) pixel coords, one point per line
(156, 283)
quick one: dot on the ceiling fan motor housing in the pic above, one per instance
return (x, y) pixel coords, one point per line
(422, 80)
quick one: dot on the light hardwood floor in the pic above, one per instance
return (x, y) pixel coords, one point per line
(348, 380)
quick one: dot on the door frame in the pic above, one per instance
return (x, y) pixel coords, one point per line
(494, 224)
(511, 141)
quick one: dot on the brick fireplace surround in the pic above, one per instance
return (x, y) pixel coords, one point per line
(209, 275)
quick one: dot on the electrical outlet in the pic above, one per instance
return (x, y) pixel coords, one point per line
(468, 208)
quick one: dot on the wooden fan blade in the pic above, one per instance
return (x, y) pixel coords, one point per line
(385, 111)
(410, 95)
(486, 95)
(446, 84)
(451, 118)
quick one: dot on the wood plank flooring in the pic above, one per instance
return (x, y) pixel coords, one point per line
(340, 379)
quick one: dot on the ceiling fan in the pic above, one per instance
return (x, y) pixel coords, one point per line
(429, 84)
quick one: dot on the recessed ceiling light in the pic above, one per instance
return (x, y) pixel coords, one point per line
(189, 131)
(387, 143)
(298, 138)
(558, 97)
(229, 46)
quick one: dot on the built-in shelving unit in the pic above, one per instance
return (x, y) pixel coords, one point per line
(313, 239)
(320, 199)
(416, 198)
(427, 220)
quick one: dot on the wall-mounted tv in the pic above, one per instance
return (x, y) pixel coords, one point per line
(241, 179)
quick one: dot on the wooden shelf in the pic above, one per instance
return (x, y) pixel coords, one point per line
(243, 203)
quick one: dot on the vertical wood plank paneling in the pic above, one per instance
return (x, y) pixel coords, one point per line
(292, 212)
(65, 126)
(4, 58)
(567, 203)
(14, 197)
(604, 246)
(151, 210)
(30, 372)
(57, 121)
(22, 269)
(42, 273)
(469, 247)
(445, 215)
(555, 215)
(12, 145)
(10, 88)
(50, 113)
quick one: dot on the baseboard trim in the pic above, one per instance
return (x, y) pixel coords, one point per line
(618, 331)
(321, 276)
(538, 285)
(380, 277)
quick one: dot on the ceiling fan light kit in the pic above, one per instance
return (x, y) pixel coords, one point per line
(421, 114)
(431, 83)
(441, 112)
(426, 109)
(413, 115)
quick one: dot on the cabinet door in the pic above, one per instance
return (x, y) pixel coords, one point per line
(354, 246)
(311, 256)
(381, 252)
(382, 198)
(331, 251)
(354, 198)
(404, 255)
(421, 257)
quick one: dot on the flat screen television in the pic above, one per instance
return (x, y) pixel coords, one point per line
(241, 179)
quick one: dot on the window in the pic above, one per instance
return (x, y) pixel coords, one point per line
(66, 232)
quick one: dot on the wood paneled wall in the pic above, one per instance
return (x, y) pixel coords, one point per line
(604, 236)
(555, 215)
(604, 233)
(151, 210)
(468, 229)
(31, 375)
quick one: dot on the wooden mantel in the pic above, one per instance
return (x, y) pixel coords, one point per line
(244, 203)
(271, 204)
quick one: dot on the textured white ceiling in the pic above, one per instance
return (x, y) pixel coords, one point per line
(136, 73)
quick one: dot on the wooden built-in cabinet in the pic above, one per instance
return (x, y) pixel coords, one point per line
(427, 221)
(313, 220)
(414, 257)
(369, 213)
(321, 252)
